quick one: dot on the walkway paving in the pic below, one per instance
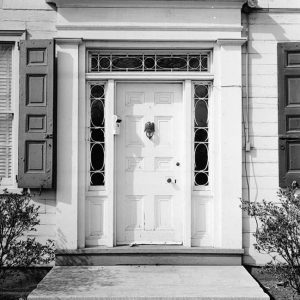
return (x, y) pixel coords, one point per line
(148, 282)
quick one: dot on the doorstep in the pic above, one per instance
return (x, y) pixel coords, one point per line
(148, 282)
(149, 255)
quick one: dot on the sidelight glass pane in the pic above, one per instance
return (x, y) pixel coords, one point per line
(97, 134)
(201, 141)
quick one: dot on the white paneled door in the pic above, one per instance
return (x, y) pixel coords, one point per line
(149, 179)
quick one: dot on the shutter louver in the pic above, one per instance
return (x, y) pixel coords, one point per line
(289, 113)
(6, 114)
(36, 163)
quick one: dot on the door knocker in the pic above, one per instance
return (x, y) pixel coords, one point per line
(149, 129)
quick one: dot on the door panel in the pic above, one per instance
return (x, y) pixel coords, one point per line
(149, 208)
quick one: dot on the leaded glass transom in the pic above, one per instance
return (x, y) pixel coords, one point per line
(201, 137)
(100, 61)
(97, 133)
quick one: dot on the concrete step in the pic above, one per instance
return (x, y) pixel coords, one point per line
(148, 282)
(149, 255)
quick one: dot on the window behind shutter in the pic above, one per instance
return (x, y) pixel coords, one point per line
(289, 112)
(36, 164)
(6, 114)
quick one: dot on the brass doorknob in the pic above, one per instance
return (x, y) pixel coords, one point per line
(169, 180)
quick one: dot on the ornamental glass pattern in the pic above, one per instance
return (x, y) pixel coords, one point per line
(201, 139)
(97, 133)
(148, 62)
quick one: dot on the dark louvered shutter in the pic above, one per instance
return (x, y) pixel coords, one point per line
(289, 112)
(36, 128)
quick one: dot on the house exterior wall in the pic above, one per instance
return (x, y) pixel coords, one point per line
(38, 20)
(274, 21)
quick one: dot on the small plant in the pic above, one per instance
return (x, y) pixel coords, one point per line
(278, 233)
(18, 217)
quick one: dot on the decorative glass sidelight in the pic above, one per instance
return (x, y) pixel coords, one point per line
(97, 133)
(148, 62)
(201, 139)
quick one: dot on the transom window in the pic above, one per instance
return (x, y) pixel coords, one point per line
(148, 61)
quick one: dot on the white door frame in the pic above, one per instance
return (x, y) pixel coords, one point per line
(109, 239)
(108, 196)
(226, 103)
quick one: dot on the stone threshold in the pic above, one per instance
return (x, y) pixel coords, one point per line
(149, 255)
(150, 249)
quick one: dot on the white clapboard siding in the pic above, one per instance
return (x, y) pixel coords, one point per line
(5, 112)
(262, 69)
(262, 47)
(261, 182)
(261, 169)
(38, 22)
(262, 58)
(267, 115)
(261, 103)
(264, 143)
(273, 18)
(273, 32)
(263, 129)
(258, 91)
(25, 4)
(262, 80)
(261, 156)
(29, 15)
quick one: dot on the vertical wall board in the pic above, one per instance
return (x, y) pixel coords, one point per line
(36, 125)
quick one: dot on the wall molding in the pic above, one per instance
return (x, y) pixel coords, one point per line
(149, 27)
(229, 4)
(235, 42)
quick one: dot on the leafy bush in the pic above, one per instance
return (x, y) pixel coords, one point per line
(278, 233)
(18, 217)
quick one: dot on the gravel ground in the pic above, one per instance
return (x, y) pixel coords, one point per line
(19, 282)
(272, 286)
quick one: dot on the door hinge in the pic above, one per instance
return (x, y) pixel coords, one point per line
(18, 45)
(16, 178)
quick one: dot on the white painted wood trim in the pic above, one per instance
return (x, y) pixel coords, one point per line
(12, 35)
(237, 42)
(150, 75)
(110, 160)
(174, 45)
(110, 232)
(149, 4)
(145, 26)
(82, 144)
(188, 141)
(227, 90)
(15, 105)
(67, 197)
(72, 41)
